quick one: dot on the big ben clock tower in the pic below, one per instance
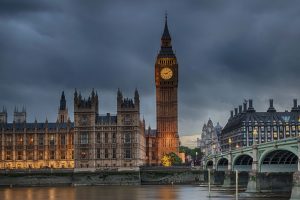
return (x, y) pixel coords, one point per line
(166, 80)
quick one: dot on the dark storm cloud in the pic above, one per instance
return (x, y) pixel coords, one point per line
(227, 51)
(13, 7)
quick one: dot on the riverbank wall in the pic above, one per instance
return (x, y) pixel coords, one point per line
(144, 176)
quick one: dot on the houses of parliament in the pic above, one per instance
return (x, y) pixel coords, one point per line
(94, 141)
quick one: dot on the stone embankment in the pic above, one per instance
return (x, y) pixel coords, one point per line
(144, 176)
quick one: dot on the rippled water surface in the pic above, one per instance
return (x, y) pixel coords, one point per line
(116, 193)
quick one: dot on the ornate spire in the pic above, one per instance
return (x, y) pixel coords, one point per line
(93, 93)
(63, 102)
(166, 34)
(120, 96)
(166, 45)
(136, 94)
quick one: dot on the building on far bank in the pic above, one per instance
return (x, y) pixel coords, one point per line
(151, 146)
(210, 138)
(108, 141)
(97, 141)
(245, 126)
(166, 82)
(92, 142)
(38, 144)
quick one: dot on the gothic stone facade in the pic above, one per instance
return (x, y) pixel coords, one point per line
(209, 142)
(92, 142)
(109, 141)
(36, 145)
(166, 79)
(96, 141)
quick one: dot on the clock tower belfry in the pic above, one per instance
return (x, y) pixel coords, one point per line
(166, 81)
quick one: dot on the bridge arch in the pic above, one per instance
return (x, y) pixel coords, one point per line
(209, 164)
(222, 164)
(279, 160)
(243, 162)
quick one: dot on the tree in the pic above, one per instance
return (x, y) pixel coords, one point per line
(195, 153)
(175, 160)
(171, 159)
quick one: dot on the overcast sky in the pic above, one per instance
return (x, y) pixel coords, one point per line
(227, 51)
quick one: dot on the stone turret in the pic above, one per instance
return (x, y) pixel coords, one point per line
(85, 110)
(3, 116)
(90, 104)
(62, 110)
(20, 116)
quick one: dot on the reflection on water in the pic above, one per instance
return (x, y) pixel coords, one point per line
(113, 193)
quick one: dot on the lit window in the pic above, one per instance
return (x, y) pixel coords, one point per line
(52, 140)
(41, 155)
(287, 128)
(275, 135)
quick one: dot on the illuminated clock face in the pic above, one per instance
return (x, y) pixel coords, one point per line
(166, 73)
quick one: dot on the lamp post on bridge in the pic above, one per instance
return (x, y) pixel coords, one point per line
(196, 161)
(230, 156)
(296, 177)
(253, 185)
(204, 158)
(214, 156)
(254, 146)
(228, 179)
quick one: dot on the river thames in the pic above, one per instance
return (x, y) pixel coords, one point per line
(117, 193)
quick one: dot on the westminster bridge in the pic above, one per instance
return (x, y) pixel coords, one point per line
(273, 164)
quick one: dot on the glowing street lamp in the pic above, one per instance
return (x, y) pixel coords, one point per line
(229, 141)
(214, 148)
(254, 136)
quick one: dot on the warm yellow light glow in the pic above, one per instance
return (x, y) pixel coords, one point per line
(166, 161)
(229, 141)
(255, 133)
(166, 73)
